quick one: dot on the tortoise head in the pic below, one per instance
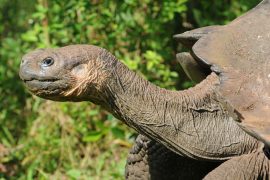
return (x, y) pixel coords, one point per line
(71, 73)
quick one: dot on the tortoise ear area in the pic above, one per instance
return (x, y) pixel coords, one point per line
(80, 71)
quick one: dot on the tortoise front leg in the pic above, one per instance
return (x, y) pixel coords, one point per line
(151, 160)
(249, 166)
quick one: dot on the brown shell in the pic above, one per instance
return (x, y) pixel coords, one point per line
(189, 38)
(240, 53)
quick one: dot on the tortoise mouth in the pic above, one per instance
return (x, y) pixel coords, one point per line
(46, 88)
(40, 80)
(35, 84)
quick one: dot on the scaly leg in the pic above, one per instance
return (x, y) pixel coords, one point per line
(151, 160)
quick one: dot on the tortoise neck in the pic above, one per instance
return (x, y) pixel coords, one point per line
(181, 117)
(129, 97)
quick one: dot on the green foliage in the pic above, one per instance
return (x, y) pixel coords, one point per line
(219, 12)
(43, 140)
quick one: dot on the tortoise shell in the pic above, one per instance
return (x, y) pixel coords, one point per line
(240, 54)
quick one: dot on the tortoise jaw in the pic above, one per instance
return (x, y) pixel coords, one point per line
(35, 78)
(46, 88)
(39, 82)
(41, 85)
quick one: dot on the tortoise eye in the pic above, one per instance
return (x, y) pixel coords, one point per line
(47, 62)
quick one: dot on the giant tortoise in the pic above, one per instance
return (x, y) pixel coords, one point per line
(219, 129)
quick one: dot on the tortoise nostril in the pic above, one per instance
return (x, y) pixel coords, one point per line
(23, 61)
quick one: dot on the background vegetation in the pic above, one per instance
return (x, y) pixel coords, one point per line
(47, 140)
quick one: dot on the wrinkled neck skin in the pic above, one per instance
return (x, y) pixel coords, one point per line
(193, 122)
